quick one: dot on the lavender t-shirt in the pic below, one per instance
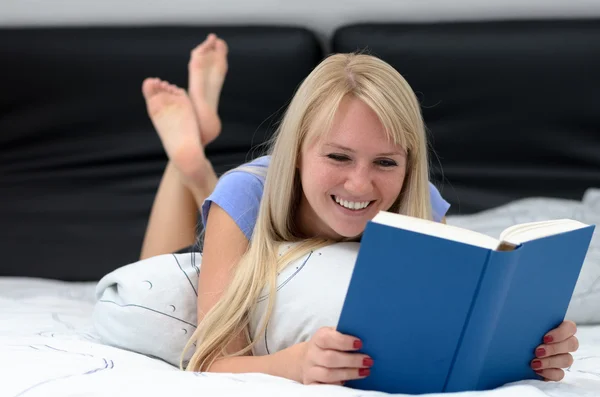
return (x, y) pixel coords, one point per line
(239, 194)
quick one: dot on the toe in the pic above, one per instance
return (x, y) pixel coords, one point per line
(173, 89)
(221, 46)
(176, 90)
(164, 85)
(151, 86)
(206, 45)
(211, 39)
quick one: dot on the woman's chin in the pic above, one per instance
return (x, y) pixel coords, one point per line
(350, 233)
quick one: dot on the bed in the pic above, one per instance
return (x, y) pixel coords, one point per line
(511, 110)
(49, 347)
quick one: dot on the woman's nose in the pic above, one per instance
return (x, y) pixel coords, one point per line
(359, 181)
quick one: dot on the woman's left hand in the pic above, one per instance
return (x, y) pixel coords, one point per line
(555, 353)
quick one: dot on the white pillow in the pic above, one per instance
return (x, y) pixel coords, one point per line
(149, 306)
(585, 303)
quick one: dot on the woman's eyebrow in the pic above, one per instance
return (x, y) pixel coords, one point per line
(347, 149)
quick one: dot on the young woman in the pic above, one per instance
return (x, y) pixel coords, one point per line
(352, 143)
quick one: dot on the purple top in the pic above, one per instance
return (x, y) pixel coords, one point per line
(239, 194)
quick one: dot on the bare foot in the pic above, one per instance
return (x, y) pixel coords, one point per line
(173, 117)
(207, 69)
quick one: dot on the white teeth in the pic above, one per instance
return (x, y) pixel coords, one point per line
(353, 205)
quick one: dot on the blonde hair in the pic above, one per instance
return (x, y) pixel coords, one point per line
(311, 112)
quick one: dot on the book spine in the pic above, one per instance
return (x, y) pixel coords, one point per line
(478, 331)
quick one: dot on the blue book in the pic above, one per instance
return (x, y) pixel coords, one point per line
(444, 309)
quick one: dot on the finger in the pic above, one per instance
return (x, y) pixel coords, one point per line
(335, 375)
(333, 383)
(563, 332)
(567, 346)
(329, 338)
(551, 374)
(337, 359)
(558, 361)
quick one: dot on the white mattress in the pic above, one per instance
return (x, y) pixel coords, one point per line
(48, 347)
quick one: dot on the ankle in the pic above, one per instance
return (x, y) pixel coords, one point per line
(203, 184)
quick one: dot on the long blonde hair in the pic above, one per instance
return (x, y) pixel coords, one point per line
(314, 105)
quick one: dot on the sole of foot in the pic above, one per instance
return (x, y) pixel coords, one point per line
(172, 114)
(207, 69)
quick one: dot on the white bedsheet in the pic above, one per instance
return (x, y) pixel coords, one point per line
(48, 347)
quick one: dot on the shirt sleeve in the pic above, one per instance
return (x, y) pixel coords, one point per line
(239, 194)
(439, 206)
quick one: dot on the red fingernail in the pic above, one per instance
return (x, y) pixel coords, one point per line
(548, 339)
(538, 371)
(541, 352)
(364, 372)
(368, 362)
(357, 344)
(536, 364)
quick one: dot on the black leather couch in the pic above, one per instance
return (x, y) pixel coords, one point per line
(511, 108)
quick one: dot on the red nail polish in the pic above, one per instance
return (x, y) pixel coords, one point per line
(538, 371)
(357, 344)
(364, 372)
(368, 362)
(536, 364)
(541, 352)
(548, 339)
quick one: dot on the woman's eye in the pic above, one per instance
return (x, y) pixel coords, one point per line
(387, 163)
(338, 157)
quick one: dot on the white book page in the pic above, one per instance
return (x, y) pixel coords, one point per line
(519, 234)
(436, 229)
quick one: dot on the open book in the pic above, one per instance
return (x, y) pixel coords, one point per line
(444, 309)
(510, 238)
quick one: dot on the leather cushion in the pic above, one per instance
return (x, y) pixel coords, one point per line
(511, 106)
(79, 159)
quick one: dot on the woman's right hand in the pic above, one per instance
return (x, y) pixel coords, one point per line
(330, 357)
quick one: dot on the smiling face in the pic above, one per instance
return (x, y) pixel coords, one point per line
(349, 174)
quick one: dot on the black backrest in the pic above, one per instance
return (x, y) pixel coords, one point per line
(79, 159)
(512, 107)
